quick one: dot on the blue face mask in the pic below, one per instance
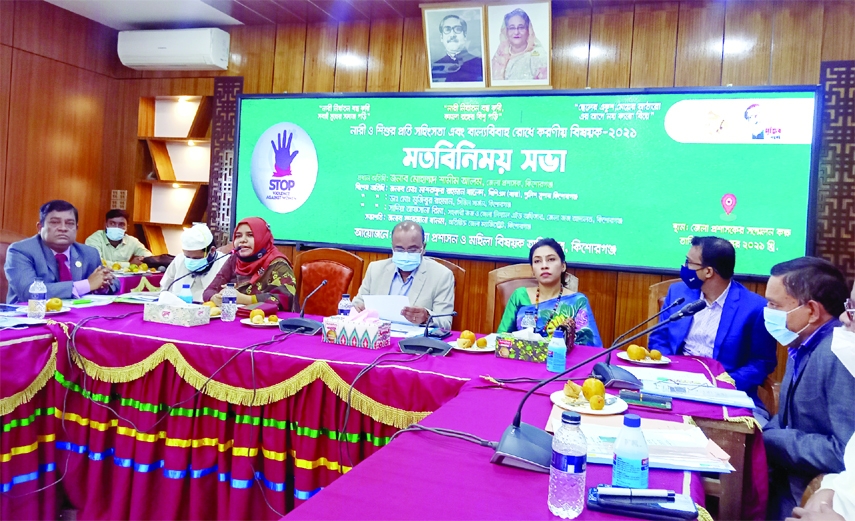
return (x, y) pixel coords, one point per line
(195, 264)
(776, 325)
(115, 234)
(690, 277)
(406, 261)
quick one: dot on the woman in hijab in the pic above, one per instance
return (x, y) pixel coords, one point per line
(259, 271)
(520, 55)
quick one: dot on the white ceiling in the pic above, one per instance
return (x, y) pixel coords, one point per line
(126, 15)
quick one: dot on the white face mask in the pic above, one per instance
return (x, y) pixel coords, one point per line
(843, 346)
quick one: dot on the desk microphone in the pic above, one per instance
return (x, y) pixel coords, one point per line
(210, 262)
(666, 308)
(527, 447)
(302, 325)
(688, 310)
(425, 344)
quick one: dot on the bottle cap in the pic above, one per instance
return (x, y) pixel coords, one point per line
(632, 420)
(559, 333)
(345, 295)
(571, 418)
(186, 285)
(230, 285)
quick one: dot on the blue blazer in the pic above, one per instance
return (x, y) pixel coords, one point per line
(31, 258)
(742, 345)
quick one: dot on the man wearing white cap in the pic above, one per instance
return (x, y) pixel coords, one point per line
(199, 264)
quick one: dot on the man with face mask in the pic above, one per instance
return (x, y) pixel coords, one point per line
(198, 265)
(458, 64)
(730, 329)
(815, 418)
(114, 244)
(428, 284)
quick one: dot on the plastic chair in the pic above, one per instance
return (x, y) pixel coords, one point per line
(342, 271)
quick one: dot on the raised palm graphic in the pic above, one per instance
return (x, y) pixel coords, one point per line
(284, 156)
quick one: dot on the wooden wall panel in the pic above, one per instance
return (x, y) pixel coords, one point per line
(7, 19)
(611, 46)
(631, 308)
(384, 55)
(414, 57)
(747, 43)
(319, 72)
(351, 63)
(5, 88)
(60, 132)
(601, 289)
(571, 43)
(796, 50)
(251, 51)
(289, 58)
(838, 35)
(44, 29)
(654, 44)
(700, 40)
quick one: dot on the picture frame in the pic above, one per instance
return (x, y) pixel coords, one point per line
(455, 43)
(528, 62)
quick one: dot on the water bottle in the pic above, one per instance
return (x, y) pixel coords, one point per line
(529, 320)
(556, 355)
(567, 472)
(344, 305)
(631, 463)
(38, 300)
(185, 294)
(229, 303)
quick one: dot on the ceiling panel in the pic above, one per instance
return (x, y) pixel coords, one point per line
(275, 11)
(239, 11)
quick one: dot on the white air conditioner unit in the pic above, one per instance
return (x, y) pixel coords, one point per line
(175, 49)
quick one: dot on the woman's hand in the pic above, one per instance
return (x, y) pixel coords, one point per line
(244, 300)
(217, 299)
(826, 513)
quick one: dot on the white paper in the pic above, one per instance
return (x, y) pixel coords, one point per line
(19, 322)
(688, 386)
(667, 375)
(97, 300)
(389, 308)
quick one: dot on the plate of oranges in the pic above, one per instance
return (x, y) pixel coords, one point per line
(588, 398)
(469, 343)
(638, 355)
(257, 319)
(54, 307)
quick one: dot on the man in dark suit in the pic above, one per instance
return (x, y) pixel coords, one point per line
(808, 435)
(69, 269)
(458, 64)
(730, 329)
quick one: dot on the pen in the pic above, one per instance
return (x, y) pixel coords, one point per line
(635, 492)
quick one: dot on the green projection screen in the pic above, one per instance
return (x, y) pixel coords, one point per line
(621, 179)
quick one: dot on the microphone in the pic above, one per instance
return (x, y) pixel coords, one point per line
(210, 262)
(426, 344)
(528, 447)
(666, 308)
(688, 310)
(302, 325)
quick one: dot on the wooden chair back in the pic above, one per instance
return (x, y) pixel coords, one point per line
(459, 288)
(7, 237)
(656, 296)
(502, 282)
(342, 271)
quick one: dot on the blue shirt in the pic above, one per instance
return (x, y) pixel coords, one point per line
(797, 354)
(399, 285)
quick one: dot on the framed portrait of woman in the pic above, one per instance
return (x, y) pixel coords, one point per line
(519, 40)
(454, 36)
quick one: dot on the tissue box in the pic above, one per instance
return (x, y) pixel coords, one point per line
(371, 333)
(507, 346)
(177, 315)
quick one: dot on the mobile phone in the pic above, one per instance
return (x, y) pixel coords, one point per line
(436, 332)
(681, 508)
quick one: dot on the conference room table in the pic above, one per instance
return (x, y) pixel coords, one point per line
(151, 421)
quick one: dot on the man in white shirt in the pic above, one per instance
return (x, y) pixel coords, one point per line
(197, 265)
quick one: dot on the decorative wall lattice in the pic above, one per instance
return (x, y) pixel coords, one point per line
(226, 91)
(835, 231)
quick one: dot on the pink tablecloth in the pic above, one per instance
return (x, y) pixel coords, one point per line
(141, 282)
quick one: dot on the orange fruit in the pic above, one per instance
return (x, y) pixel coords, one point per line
(256, 313)
(593, 387)
(273, 319)
(53, 304)
(464, 343)
(481, 342)
(597, 402)
(469, 335)
(655, 355)
(257, 319)
(636, 352)
(215, 311)
(209, 304)
(143, 267)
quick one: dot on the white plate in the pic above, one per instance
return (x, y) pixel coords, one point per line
(248, 322)
(65, 309)
(647, 361)
(614, 405)
(491, 346)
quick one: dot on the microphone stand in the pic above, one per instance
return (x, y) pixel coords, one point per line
(211, 262)
(425, 344)
(666, 308)
(305, 326)
(527, 447)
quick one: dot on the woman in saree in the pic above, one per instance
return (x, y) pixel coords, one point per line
(550, 301)
(520, 55)
(259, 271)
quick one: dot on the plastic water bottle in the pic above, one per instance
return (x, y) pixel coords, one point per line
(631, 463)
(567, 472)
(556, 355)
(185, 294)
(529, 320)
(38, 300)
(344, 305)
(229, 303)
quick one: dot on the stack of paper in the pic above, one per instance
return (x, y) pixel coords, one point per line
(688, 386)
(389, 307)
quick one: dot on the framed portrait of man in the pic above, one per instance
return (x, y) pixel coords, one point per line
(519, 40)
(454, 36)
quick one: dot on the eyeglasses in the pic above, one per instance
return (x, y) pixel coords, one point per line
(447, 29)
(689, 261)
(412, 249)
